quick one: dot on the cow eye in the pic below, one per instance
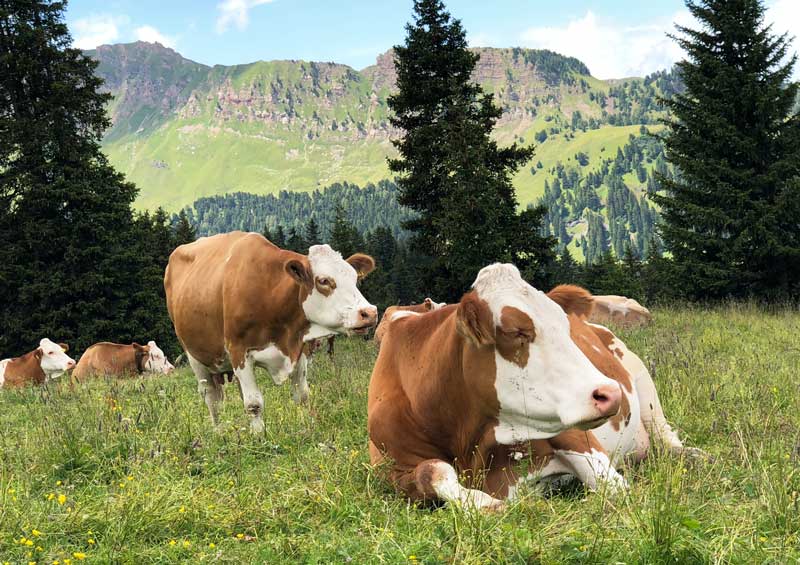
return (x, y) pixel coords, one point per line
(324, 282)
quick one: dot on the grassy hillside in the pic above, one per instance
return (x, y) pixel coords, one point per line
(183, 130)
(129, 471)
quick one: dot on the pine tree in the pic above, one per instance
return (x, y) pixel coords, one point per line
(730, 215)
(183, 230)
(451, 171)
(313, 236)
(279, 237)
(344, 236)
(69, 265)
(296, 242)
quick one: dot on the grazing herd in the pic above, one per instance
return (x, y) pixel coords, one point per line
(466, 402)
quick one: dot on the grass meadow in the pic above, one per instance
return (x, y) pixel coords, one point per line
(129, 471)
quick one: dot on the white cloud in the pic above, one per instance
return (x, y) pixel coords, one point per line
(236, 12)
(152, 35)
(614, 51)
(96, 30)
(480, 39)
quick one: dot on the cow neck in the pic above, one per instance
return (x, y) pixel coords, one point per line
(447, 407)
(288, 334)
(23, 368)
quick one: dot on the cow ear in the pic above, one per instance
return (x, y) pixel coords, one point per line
(363, 264)
(299, 272)
(573, 299)
(64, 347)
(38, 353)
(428, 304)
(474, 320)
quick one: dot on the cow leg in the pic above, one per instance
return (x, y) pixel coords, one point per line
(330, 345)
(435, 478)
(300, 389)
(251, 396)
(208, 387)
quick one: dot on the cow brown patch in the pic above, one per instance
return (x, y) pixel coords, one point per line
(325, 285)
(474, 320)
(624, 414)
(573, 299)
(514, 336)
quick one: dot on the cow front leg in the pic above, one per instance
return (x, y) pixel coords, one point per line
(435, 478)
(208, 387)
(300, 390)
(251, 396)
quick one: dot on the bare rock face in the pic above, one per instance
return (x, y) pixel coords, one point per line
(619, 310)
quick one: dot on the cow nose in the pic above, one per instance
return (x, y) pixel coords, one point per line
(70, 364)
(368, 316)
(606, 399)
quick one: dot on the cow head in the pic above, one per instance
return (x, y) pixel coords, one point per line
(332, 298)
(430, 305)
(53, 358)
(543, 383)
(156, 361)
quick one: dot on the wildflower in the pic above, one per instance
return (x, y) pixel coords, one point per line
(186, 543)
(172, 542)
(39, 548)
(122, 485)
(583, 547)
(51, 496)
(29, 542)
(36, 533)
(67, 561)
(79, 556)
(412, 557)
(239, 536)
(762, 539)
(212, 545)
(90, 541)
(10, 491)
(182, 509)
(58, 483)
(62, 499)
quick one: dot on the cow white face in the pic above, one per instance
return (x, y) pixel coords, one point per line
(156, 361)
(544, 384)
(431, 305)
(334, 301)
(54, 359)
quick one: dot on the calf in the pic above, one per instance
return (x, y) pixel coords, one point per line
(238, 301)
(46, 362)
(118, 359)
(455, 390)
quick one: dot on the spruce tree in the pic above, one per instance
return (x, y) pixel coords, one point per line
(730, 213)
(451, 171)
(68, 267)
(312, 235)
(183, 230)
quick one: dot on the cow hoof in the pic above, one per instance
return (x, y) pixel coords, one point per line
(494, 507)
(694, 454)
(300, 396)
(257, 426)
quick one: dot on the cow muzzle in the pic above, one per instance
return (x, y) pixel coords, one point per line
(367, 318)
(606, 401)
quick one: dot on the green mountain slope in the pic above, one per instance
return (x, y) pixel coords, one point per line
(183, 130)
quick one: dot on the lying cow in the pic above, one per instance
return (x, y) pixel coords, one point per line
(238, 301)
(454, 391)
(427, 305)
(624, 312)
(46, 362)
(116, 359)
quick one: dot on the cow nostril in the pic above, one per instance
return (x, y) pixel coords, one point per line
(600, 396)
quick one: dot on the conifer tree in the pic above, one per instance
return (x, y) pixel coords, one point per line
(183, 230)
(730, 214)
(312, 235)
(452, 173)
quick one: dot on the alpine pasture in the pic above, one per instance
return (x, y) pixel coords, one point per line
(130, 470)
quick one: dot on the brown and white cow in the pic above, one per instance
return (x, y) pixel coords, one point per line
(117, 359)
(620, 310)
(48, 361)
(453, 391)
(238, 301)
(427, 305)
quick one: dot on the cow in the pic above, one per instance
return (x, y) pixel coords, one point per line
(238, 301)
(622, 311)
(48, 361)
(427, 305)
(117, 359)
(454, 390)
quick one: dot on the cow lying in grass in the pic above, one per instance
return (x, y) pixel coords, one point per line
(118, 359)
(46, 362)
(459, 396)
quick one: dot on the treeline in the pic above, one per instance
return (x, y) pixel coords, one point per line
(370, 207)
(626, 220)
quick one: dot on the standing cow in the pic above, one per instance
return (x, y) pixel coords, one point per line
(46, 362)
(238, 301)
(119, 359)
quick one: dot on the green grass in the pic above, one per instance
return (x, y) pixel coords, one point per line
(146, 470)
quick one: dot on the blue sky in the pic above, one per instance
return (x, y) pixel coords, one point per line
(614, 38)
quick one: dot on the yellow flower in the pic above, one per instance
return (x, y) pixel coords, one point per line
(90, 541)
(79, 556)
(182, 509)
(39, 548)
(29, 542)
(130, 478)
(58, 483)
(186, 543)
(412, 557)
(122, 485)
(55, 562)
(51, 496)
(239, 536)
(67, 561)
(62, 499)
(10, 491)
(212, 545)
(762, 539)
(36, 533)
(172, 542)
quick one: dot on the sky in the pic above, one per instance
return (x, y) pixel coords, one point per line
(615, 38)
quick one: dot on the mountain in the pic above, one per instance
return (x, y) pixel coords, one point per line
(182, 130)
